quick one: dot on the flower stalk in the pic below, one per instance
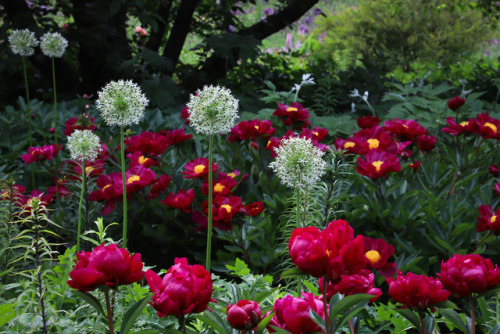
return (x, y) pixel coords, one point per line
(325, 304)
(109, 311)
(122, 158)
(28, 112)
(210, 201)
(79, 227)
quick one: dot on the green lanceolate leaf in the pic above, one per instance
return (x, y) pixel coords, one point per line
(455, 319)
(411, 317)
(293, 272)
(132, 314)
(348, 302)
(93, 301)
(263, 323)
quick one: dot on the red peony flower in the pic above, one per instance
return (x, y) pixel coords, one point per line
(292, 314)
(46, 152)
(223, 185)
(415, 165)
(375, 138)
(253, 209)
(307, 251)
(138, 177)
(488, 220)
(486, 126)
(15, 193)
(377, 164)
(316, 134)
(176, 136)
(198, 168)
(92, 168)
(138, 159)
(350, 145)
(147, 143)
(465, 274)
(110, 190)
(425, 143)
(455, 129)
(105, 266)
(494, 170)
(159, 185)
(183, 290)
(244, 315)
(361, 282)
(497, 188)
(367, 122)
(405, 129)
(82, 122)
(251, 130)
(182, 200)
(292, 114)
(456, 102)
(417, 291)
(377, 251)
(185, 115)
(224, 210)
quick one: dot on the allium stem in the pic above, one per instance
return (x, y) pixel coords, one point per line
(122, 158)
(472, 316)
(28, 111)
(55, 98)
(40, 288)
(325, 304)
(297, 204)
(210, 200)
(79, 227)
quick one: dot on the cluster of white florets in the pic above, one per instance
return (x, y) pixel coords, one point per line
(53, 44)
(23, 42)
(84, 145)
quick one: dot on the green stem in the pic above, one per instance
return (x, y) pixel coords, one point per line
(109, 311)
(55, 98)
(122, 158)
(182, 324)
(422, 325)
(325, 304)
(79, 227)
(472, 316)
(210, 200)
(28, 111)
(297, 204)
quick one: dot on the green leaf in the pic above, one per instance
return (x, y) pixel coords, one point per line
(240, 268)
(352, 312)
(93, 301)
(211, 323)
(348, 302)
(495, 330)
(430, 324)
(132, 314)
(292, 273)
(411, 317)
(6, 311)
(149, 331)
(317, 319)
(279, 330)
(263, 323)
(455, 319)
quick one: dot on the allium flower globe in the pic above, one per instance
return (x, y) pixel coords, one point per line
(53, 44)
(213, 110)
(299, 163)
(121, 103)
(84, 145)
(23, 42)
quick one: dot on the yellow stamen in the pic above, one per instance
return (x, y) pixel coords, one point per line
(491, 126)
(218, 188)
(143, 160)
(349, 144)
(256, 127)
(377, 165)
(88, 169)
(464, 123)
(316, 134)
(227, 207)
(133, 178)
(373, 256)
(106, 186)
(198, 169)
(231, 175)
(493, 218)
(373, 143)
(291, 109)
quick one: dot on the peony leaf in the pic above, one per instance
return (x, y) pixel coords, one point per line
(454, 317)
(263, 323)
(93, 301)
(411, 317)
(132, 314)
(291, 273)
(348, 302)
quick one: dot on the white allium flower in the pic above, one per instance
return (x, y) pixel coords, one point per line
(121, 103)
(53, 44)
(213, 110)
(23, 42)
(84, 144)
(299, 163)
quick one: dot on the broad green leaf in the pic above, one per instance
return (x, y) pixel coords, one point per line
(211, 323)
(349, 302)
(263, 323)
(93, 301)
(293, 272)
(455, 319)
(132, 314)
(411, 317)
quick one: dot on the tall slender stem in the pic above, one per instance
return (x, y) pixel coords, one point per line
(122, 158)
(472, 316)
(28, 111)
(182, 324)
(79, 227)
(298, 206)
(422, 325)
(210, 200)
(55, 98)
(325, 304)
(39, 269)
(109, 311)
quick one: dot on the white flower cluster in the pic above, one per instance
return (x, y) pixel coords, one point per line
(84, 144)
(299, 163)
(121, 103)
(53, 44)
(213, 110)
(23, 42)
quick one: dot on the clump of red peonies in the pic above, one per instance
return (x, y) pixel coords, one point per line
(82, 122)
(46, 152)
(106, 266)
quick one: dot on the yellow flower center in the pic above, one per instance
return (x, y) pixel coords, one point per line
(464, 123)
(142, 160)
(491, 126)
(493, 218)
(227, 207)
(33, 152)
(316, 134)
(377, 165)
(290, 109)
(5, 194)
(106, 186)
(133, 178)
(218, 188)
(349, 144)
(373, 143)
(256, 127)
(198, 169)
(231, 175)
(373, 256)
(88, 169)
(405, 126)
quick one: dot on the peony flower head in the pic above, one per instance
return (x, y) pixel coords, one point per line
(53, 44)
(121, 103)
(84, 145)
(244, 315)
(298, 163)
(23, 42)
(212, 110)
(456, 102)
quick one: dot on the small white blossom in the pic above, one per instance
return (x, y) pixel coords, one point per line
(121, 103)
(299, 163)
(213, 110)
(53, 44)
(23, 42)
(307, 79)
(84, 144)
